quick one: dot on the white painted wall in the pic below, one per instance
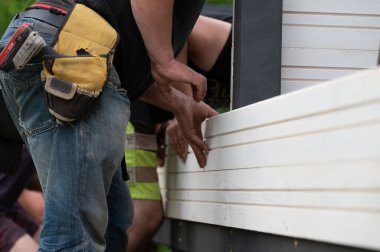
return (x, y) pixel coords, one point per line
(305, 164)
(326, 39)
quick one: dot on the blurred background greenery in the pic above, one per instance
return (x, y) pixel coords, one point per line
(219, 1)
(9, 7)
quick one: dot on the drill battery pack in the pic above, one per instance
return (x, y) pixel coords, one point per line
(21, 48)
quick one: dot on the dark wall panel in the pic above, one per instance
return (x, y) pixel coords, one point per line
(257, 51)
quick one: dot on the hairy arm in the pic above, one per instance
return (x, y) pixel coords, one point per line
(154, 20)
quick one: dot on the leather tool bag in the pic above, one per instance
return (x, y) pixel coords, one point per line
(74, 77)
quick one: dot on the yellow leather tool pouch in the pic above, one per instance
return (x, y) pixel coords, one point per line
(74, 80)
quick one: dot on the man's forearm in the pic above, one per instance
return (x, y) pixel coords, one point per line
(154, 19)
(170, 99)
(183, 87)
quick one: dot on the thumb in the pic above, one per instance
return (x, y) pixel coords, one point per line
(209, 112)
(212, 113)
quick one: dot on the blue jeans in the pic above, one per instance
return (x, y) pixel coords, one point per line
(77, 163)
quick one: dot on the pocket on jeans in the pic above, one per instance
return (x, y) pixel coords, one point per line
(27, 103)
(26, 78)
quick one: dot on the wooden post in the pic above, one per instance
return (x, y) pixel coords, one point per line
(257, 51)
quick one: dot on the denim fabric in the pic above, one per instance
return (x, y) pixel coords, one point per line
(120, 214)
(76, 162)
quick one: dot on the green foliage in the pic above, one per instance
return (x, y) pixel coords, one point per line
(219, 1)
(8, 9)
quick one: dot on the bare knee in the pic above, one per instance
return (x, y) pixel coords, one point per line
(148, 215)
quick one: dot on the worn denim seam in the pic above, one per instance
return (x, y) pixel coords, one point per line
(84, 166)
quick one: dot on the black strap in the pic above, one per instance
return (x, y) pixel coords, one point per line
(124, 171)
(44, 15)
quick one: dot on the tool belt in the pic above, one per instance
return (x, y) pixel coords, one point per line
(85, 44)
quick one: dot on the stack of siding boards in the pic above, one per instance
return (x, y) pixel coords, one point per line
(304, 164)
(307, 163)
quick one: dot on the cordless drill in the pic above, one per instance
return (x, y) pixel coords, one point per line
(21, 48)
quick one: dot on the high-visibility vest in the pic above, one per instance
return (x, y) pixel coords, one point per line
(141, 156)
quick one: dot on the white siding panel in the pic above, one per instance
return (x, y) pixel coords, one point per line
(313, 74)
(330, 38)
(344, 144)
(305, 165)
(355, 7)
(322, 123)
(352, 175)
(311, 57)
(343, 200)
(294, 85)
(331, 20)
(362, 87)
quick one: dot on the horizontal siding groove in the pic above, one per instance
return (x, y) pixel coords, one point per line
(320, 68)
(357, 200)
(299, 104)
(340, 34)
(287, 190)
(341, 209)
(300, 79)
(358, 7)
(331, 49)
(241, 143)
(331, 176)
(322, 20)
(304, 164)
(330, 26)
(373, 119)
(331, 14)
(296, 128)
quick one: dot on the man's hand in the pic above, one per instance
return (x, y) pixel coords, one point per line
(189, 114)
(154, 20)
(177, 139)
(190, 118)
(174, 71)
